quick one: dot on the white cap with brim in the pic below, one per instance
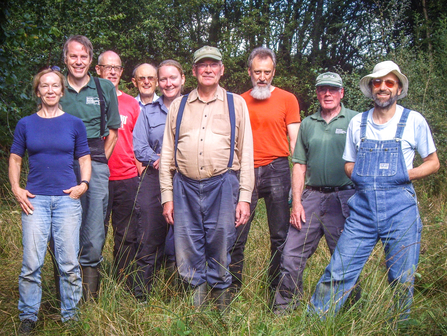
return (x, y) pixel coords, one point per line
(380, 70)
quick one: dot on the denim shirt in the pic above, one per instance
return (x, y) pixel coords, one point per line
(148, 132)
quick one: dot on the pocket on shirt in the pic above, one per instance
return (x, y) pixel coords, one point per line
(220, 124)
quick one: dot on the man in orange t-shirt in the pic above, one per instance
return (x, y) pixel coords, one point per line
(274, 115)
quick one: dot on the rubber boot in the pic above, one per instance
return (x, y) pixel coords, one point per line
(221, 298)
(199, 296)
(90, 282)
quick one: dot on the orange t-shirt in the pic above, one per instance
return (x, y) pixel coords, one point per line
(269, 119)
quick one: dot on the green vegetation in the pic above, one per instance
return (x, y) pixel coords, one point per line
(309, 37)
(170, 312)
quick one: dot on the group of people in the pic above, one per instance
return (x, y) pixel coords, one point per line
(181, 176)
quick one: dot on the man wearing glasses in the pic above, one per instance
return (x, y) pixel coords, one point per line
(275, 118)
(379, 153)
(123, 181)
(144, 77)
(320, 188)
(208, 144)
(85, 100)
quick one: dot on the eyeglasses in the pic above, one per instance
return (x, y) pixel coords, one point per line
(377, 83)
(110, 67)
(331, 89)
(204, 66)
(144, 78)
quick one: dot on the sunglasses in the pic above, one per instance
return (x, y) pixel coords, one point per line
(389, 83)
(52, 67)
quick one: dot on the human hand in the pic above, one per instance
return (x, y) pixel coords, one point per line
(22, 196)
(242, 213)
(168, 212)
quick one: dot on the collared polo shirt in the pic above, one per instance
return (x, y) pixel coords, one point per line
(320, 147)
(204, 142)
(85, 105)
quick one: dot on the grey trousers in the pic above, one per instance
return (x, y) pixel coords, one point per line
(325, 215)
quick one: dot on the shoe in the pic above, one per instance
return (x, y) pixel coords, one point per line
(199, 296)
(90, 283)
(281, 310)
(141, 299)
(26, 327)
(221, 298)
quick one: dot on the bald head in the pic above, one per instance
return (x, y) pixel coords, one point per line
(144, 78)
(109, 67)
(142, 67)
(109, 54)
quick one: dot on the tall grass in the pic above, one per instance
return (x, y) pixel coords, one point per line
(169, 310)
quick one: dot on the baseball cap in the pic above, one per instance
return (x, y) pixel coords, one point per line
(207, 52)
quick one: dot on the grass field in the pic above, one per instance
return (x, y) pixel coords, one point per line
(169, 311)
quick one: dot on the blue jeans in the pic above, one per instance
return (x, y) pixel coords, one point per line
(204, 215)
(94, 208)
(59, 217)
(272, 182)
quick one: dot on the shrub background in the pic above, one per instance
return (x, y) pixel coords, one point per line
(309, 37)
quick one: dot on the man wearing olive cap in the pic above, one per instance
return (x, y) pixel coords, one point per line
(320, 188)
(207, 143)
(379, 153)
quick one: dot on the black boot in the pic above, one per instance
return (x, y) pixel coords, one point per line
(90, 282)
(221, 298)
(26, 327)
(199, 296)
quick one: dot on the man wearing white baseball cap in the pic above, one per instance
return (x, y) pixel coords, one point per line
(379, 153)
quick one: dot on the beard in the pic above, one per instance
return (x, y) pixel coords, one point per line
(260, 93)
(387, 103)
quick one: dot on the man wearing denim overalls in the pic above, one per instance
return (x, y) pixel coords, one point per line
(379, 153)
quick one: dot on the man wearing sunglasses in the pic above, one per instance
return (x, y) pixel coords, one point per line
(123, 180)
(320, 188)
(206, 177)
(144, 78)
(379, 153)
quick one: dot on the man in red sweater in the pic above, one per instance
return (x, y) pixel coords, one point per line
(123, 181)
(274, 115)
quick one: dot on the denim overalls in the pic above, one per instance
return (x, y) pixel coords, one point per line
(384, 207)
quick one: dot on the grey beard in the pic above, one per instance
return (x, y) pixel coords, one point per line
(260, 93)
(387, 103)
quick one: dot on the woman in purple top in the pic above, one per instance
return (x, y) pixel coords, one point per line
(50, 201)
